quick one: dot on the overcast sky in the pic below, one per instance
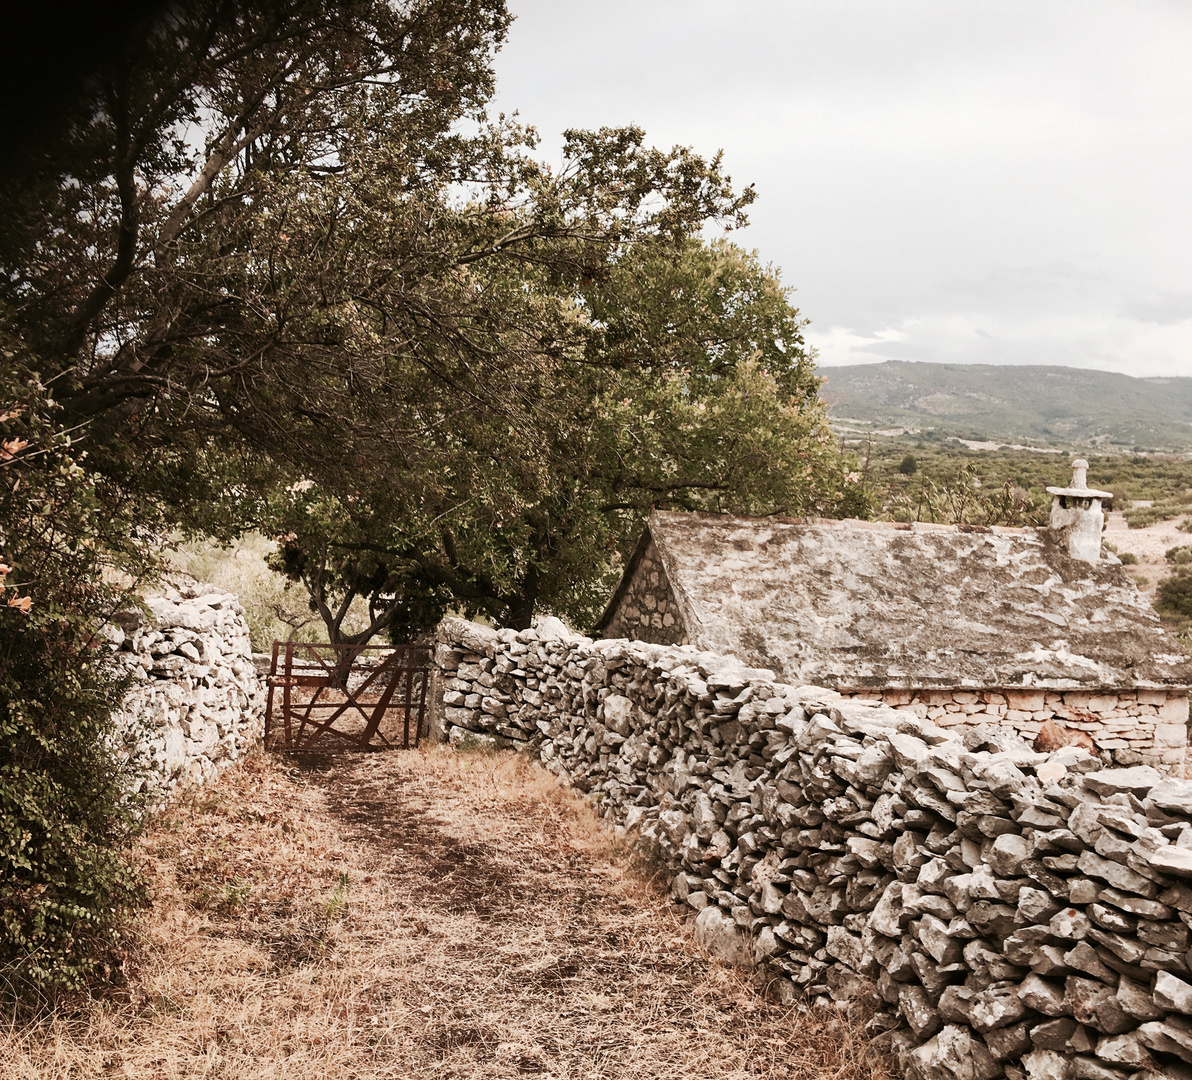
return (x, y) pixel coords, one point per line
(980, 181)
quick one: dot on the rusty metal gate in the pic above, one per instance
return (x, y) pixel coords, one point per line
(370, 697)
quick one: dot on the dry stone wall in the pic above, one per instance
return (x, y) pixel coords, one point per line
(1004, 913)
(1132, 727)
(197, 705)
(648, 610)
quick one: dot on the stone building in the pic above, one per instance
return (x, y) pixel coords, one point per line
(965, 624)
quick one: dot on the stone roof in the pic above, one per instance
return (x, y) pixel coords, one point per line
(863, 604)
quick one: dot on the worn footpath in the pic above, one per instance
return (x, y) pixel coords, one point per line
(414, 915)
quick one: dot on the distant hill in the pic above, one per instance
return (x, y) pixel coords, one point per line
(1035, 405)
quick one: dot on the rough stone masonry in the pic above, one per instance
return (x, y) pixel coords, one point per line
(1003, 912)
(197, 705)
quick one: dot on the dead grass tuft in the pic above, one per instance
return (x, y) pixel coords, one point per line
(426, 914)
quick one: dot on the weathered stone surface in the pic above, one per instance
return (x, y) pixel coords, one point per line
(718, 933)
(1054, 1034)
(1008, 853)
(1120, 877)
(1043, 996)
(1174, 796)
(1008, 1043)
(996, 1008)
(1170, 860)
(196, 703)
(1125, 1049)
(1070, 924)
(990, 626)
(916, 1007)
(1046, 1065)
(1137, 780)
(954, 1054)
(983, 905)
(1136, 999)
(1172, 993)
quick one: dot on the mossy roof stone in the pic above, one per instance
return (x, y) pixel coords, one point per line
(852, 604)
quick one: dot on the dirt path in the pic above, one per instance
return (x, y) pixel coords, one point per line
(418, 915)
(1150, 545)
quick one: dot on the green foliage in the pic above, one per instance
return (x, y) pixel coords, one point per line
(964, 499)
(284, 271)
(1181, 555)
(1139, 517)
(1128, 558)
(345, 267)
(698, 393)
(335, 903)
(1174, 600)
(274, 607)
(1161, 477)
(908, 466)
(1035, 405)
(69, 553)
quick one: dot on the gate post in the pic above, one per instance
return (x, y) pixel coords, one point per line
(436, 729)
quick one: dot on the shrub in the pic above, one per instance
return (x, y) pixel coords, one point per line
(908, 465)
(1174, 597)
(67, 805)
(274, 608)
(1139, 517)
(1128, 558)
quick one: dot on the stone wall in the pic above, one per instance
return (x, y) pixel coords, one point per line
(1003, 912)
(648, 610)
(1130, 727)
(197, 705)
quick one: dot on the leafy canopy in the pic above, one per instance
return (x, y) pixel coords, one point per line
(692, 388)
(289, 234)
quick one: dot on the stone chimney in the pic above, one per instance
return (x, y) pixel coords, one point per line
(1076, 517)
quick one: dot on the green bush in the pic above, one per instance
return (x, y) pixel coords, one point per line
(1128, 558)
(1174, 598)
(67, 802)
(1139, 517)
(1181, 555)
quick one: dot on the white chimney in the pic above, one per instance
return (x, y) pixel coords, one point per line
(1076, 517)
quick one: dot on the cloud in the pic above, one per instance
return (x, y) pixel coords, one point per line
(998, 183)
(1164, 309)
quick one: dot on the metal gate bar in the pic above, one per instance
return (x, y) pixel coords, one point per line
(352, 686)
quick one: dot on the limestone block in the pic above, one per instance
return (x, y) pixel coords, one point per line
(1029, 701)
(718, 933)
(1175, 709)
(1170, 735)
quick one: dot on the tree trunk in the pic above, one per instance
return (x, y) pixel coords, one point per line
(521, 607)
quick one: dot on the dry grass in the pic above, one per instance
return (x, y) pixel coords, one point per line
(422, 914)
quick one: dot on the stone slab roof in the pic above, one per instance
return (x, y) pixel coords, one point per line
(862, 604)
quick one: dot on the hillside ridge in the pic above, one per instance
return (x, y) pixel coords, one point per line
(1029, 404)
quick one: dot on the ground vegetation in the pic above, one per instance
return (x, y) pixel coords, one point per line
(420, 915)
(1161, 482)
(71, 548)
